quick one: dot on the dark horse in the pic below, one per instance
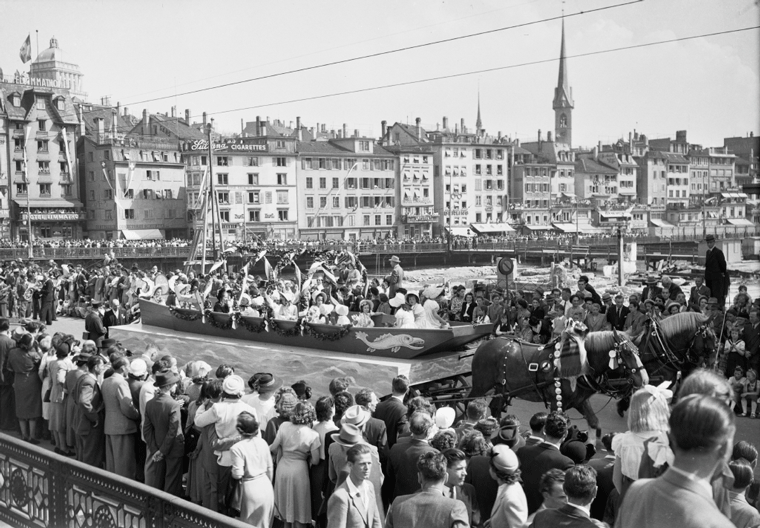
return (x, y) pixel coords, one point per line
(674, 347)
(514, 368)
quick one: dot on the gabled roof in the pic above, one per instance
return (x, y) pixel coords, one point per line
(590, 166)
(27, 109)
(176, 126)
(672, 157)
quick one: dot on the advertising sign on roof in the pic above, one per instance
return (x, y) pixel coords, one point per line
(227, 145)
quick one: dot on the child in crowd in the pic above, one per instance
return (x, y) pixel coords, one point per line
(749, 393)
(737, 382)
(734, 351)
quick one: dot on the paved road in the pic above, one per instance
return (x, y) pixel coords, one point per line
(747, 428)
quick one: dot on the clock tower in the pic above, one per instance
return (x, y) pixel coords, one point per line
(563, 100)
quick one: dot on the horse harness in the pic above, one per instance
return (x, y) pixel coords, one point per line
(662, 349)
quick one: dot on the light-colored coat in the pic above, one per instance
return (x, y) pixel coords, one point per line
(346, 511)
(121, 414)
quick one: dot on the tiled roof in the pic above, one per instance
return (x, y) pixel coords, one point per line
(176, 125)
(675, 158)
(67, 116)
(106, 113)
(590, 166)
(321, 147)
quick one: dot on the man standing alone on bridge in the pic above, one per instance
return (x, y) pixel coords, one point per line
(716, 275)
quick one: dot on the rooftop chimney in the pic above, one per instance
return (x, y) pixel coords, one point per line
(356, 133)
(456, 129)
(345, 131)
(539, 140)
(258, 126)
(418, 122)
(242, 126)
(118, 108)
(383, 129)
(114, 118)
(212, 123)
(299, 132)
(126, 111)
(145, 124)
(174, 111)
(464, 130)
(324, 128)
(317, 131)
(101, 129)
(204, 119)
(445, 123)
(187, 116)
(549, 136)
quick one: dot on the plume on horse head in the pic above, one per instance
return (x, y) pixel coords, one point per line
(572, 361)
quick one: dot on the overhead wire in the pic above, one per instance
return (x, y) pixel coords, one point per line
(487, 70)
(389, 52)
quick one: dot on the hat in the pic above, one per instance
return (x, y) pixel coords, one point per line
(606, 295)
(432, 292)
(410, 294)
(575, 450)
(107, 343)
(355, 415)
(165, 378)
(258, 301)
(539, 290)
(710, 238)
(444, 417)
(349, 435)
(268, 383)
(138, 367)
(398, 300)
(341, 309)
(651, 280)
(245, 300)
(650, 301)
(507, 435)
(303, 391)
(712, 300)
(317, 294)
(395, 259)
(233, 385)
(327, 309)
(365, 302)
(95, 303)
(82, 357)
(504, 459)
(671, 304)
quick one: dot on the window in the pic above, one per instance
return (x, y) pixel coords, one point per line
(477, 170)
(253, 197)
(378, 219)
(16, 100)
(225, 215)
(253, 216)
(478, 201)
(281, 162)
(282, 197)
(153, 175)
(130, 194)
(222, 179)
(282, 179)
(41, 123)
(20, 188)
(351, 202)
(335, 183)
(43, 167)
(282, 214)
(149, 213)
(42, 146)
(323, 183)
(309, 182)
(251, 162)
(108, 194)
(223, 197)
(66, 190)
(306, 163)
(309, 202)
(223, 161)
(107, 155)
(478, 154)
(129, 214)
(388, 219)
(44, 189)
(365, 220)
(280, 144)
(109, 214)
(364, 146)
(350, 183)
(336, 202)
(322, 201)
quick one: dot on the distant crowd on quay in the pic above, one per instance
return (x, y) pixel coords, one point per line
(261, 450)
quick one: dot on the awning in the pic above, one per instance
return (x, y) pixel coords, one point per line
(539, 227)
(615, 214)
(565, 227)
(47, 202)
(740, 222)
(460, 231)
(568, 195)
(492, 228)
(589, 229)
(661, 223)
(733, 195)
(142, 234)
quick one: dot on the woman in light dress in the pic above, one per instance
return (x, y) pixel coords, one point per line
(364, 319)
(431, 319)
(413, 301)
(296, 447)
(252, 466)
(404, 315)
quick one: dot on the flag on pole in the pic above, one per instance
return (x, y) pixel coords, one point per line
(129, 178)
(105, 174)
(268, 271)
(66, 151)
(27, 133)
(26, 49)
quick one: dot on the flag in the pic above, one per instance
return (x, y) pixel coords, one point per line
(105, 174)
(27, 133)
(268, 271)
(66, 151)
(129, 178)
(298, 273)
(26, 50)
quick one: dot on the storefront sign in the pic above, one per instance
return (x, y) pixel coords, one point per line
(422, 218)
(227, 145)
(455, 212)
(269, 215)
(54, 216)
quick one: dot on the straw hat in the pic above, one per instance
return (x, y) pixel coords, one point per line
(355, 415)
(349, 435)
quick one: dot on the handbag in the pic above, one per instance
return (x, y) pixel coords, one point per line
(46, 397)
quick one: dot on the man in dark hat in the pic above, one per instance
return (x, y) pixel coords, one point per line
(651, 290)
(396, 276)
(93, 324)
(163, 436)
(716, 275)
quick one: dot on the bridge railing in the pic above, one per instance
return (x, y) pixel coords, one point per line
(43, 489)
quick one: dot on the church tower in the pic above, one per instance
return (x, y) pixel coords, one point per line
(563, 100)
(478, 121)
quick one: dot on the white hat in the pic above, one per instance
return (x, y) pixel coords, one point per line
(398, 300)
(138, 367)
(233, 384)
(341, 309)
(257, 301)
(355, 415)
(444, 417)
(327, 309)
(504, 459)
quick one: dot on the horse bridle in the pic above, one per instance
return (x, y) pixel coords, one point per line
(606, 386)
(665, 355)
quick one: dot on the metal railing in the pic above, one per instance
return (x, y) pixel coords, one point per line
(43, 489)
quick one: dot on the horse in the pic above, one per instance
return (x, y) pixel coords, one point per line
(673, 347)
(605, 361)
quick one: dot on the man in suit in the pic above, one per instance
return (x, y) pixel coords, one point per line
(393, 410)
(373, 430)
(93, 324)
(428, 508)
(698, 290)
(701, 435)
(537, 423)
(538, 459)
(353, 503)
(90, 416)
(580, 488)
(120, 422)
(616, 314)
(604, 468)
(651, 290)
(585, 290)
(396, 277)
(114, 315)
(403, 456)
(137, 374)
(163, 436)
(716, 277)
(8, 421)
(751, 338)
(47, 299)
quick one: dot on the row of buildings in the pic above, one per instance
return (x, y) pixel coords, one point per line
(70, 169)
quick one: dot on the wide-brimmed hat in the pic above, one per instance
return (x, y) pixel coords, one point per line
(508, 435)
(82, 357)
(349, 435)
(504, 459)
(257, 301)
(652, 280)
(317, 294)
(710, 238)
(355, 415)
(398, 300)
(341, 309)
(106, 343)
(412, 294)
(233, 385)
(365, 302)
(326, 309)
(433, 292)
(268, 383)
(395, 259)
(138, 367)
(166, 378)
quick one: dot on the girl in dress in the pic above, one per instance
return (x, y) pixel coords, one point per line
(404, 316)
(252, 466)
(296, 447)
(749, 394)
(735, 351)
(413, 301)
(432, 318)
(364, 319)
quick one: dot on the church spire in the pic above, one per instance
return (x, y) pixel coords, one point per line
(478, 121)
(563, 99)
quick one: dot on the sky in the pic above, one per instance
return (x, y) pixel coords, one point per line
(137, 50)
